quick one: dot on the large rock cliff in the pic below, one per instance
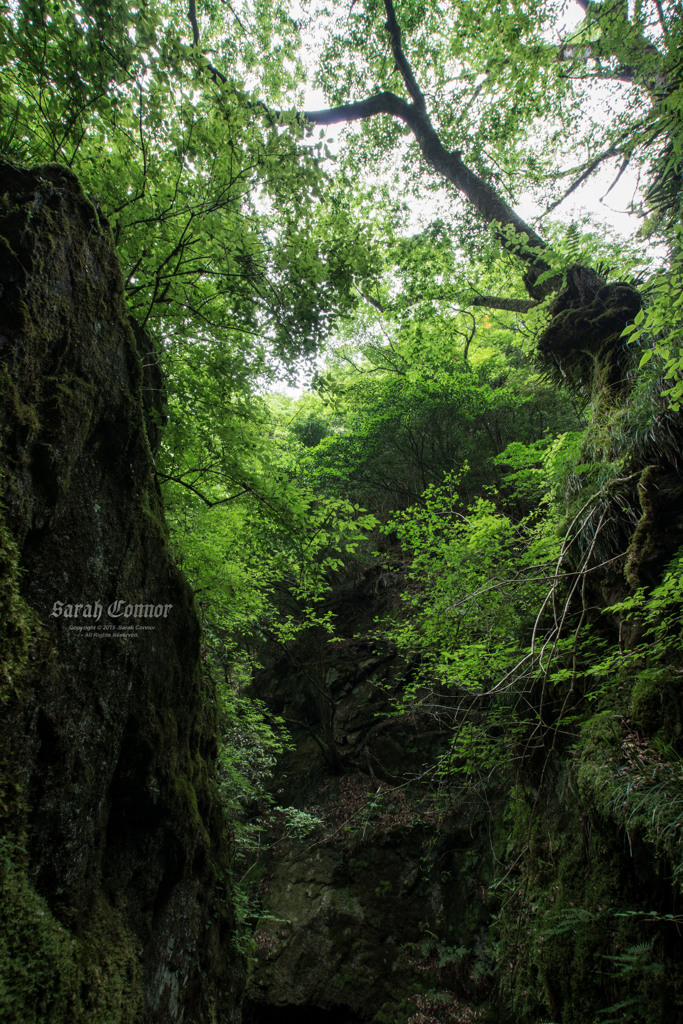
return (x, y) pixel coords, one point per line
(112, 854)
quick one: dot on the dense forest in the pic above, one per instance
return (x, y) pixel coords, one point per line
(365, 321)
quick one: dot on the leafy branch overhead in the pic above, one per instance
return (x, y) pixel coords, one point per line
(514, 233)
(542, 268)
(454, 577)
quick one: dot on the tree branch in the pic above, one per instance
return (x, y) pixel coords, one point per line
(380, 103)
(487, 301)
(638, 59)
(515, 235)
(499, 302)
(207, 501)
(402, 64)
(586, 173)
(624, 165)
(373, 302)
(585, 52)
(660, 15)
(192, 15)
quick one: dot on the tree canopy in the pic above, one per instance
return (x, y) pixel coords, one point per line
(246, 243)
(489, 380)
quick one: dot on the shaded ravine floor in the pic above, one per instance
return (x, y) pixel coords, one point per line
(259, 1013)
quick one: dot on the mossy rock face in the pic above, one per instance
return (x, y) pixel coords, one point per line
(660, 528)
(113, 844)
(582, 344)
(374, 913)
(586, 928)
(656, 703)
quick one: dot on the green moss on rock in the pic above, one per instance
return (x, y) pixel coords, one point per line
(655, 703)
(114, 909)
(49, 974)
(582, 345)
(576, 910)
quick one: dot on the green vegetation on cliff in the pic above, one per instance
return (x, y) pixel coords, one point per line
(439, 593)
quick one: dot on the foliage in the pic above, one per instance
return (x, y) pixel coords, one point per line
(429, 433)
(658, 329)
(489, 65)
(603, 89)
(486, 653)
(177, 164)
(412, 410)
(576, 923)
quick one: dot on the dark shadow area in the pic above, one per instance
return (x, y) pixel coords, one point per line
(261, 1013)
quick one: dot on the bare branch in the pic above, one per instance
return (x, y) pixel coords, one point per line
(588, 170)
(660, 15)
(373, 302)
(207, 501)
(624, 164)
(381, 103)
